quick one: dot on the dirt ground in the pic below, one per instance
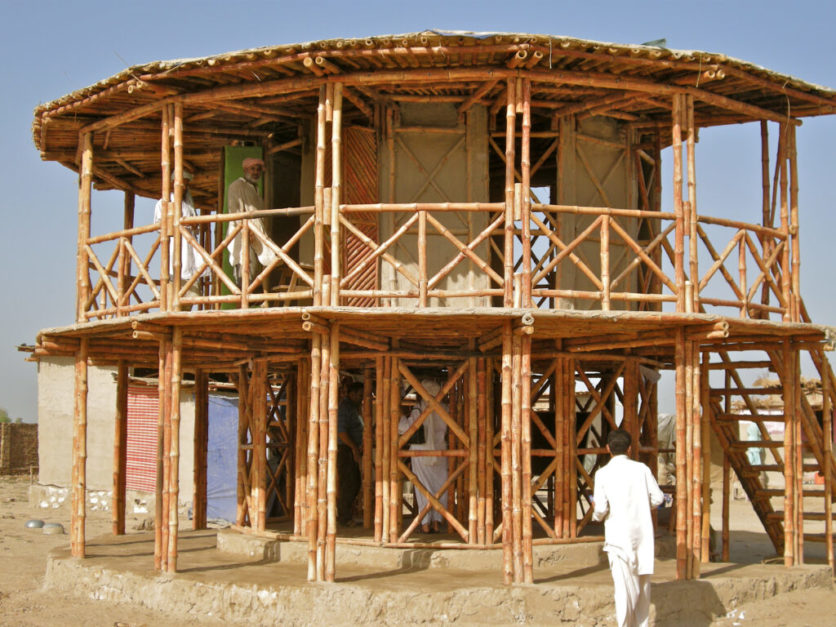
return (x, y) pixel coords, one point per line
(23, 555)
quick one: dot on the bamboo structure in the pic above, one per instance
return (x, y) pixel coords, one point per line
(483, 212)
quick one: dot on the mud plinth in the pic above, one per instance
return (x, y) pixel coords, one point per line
(268, 585)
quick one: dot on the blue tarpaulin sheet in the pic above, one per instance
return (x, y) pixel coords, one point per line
(221, 460)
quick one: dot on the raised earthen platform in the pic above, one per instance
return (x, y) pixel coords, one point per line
(391, 586)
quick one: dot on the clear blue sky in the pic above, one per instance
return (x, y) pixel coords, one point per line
(52, 48)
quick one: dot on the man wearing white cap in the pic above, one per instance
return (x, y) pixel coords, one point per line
(189, 258)
(243, 197)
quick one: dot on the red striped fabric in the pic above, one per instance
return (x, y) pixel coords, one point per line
(141, 451)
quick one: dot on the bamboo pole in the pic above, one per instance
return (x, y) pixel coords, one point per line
(166, 453)
(473, 450)
(422, 259)
(124, 257)
(120, 440)
(336, 185)
(392, 434)
(510, 156)
(386, 442)
(490, 421)
(174, 449)
(705, 439)
(696, 454)
(525, 179)
(786, 270)
(165, 232)
(525, 458)
(378, 448)
(158, 489)
(322, 494)
(79, 471)
(692, 201)
(201, 445)
(85, 185)
(177, 207)
(690, 463)
(333, 408)
(559, 393)
(827, 428)
(244, 418)
(726, 505)
(679, 239)
(789, 452)
(505, 434)
(516, 464)
(367, 484)
(313, 456)
(258, 428)
(481, 452)
(681, 455)
(319, 198)
(794, 231)
(798, 461)
(766, 243)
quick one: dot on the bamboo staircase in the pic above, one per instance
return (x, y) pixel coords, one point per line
(816, 452)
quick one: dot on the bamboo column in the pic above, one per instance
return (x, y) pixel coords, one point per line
(177, 208)
(336, 185)
(516, 465)
(798, 461)
(258, 429)
(384, 443)
(827, 429)
(490, 421)
(786, 270)
(165, 231)
(789, 453)
(473, 451)
(323, 480)
(392, 434)
(85, 185)
(319, 198)
(162, 386)
(120, 440)
(244, 425)
(368, 421)
(679, 239)
(505, 434)
(333, 408)
(630, 422)
(692, 202)
(681, 454)
(300, 460)
(766, 242)
(312, 491)
(79, 471)
(201, 445)
(510, 157)
(124, 256)
(481, 452)
(525, 180)
(174, 450)
(560, 417)
(696, 454)
(705, 439)
(795, 303)
(527, 573)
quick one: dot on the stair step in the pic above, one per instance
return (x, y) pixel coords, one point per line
(774, 493)
(779, 515)
(758, 468)
(815, 537)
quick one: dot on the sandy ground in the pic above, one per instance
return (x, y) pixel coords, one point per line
(23, 559)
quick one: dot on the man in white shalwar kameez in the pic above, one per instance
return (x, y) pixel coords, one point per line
(625, 491)
(431, 471)
(190, 260)
(243, 197)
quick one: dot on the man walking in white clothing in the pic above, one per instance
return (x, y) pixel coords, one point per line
(625, 491)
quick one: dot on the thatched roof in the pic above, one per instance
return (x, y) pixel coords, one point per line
(251, 95)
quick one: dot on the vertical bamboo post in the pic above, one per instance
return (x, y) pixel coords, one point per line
(505, 435)
(726, 506)
(85, 185)
(166, 453)
(510, 157)
(258, 428)
(367, 484)
(322, 494)
(473, 451)
(605, 262)
(681, 455)
(384, 445)
(422, 259)
(559, 392)
(394, 449)
(679, 239)
(201, 444)
(174, 452)
(742, 276)
(631, 403)
(177, 208)
(490, 421)
(158, 489)
(798, 460)
(336, 185)
(300, 508)
(165, 232)
(244, 417)
(319, 198)
(766, 242)
(124, 256)
(827, 428)
(79, 472)
(789, 453)
(786, 270)
(516, 462)
(705, 439)
(333, 408)
(481, 453)
(120, 441)
(378, 447)
(696, 454)
(687, 506)
(692, 200)
(794, 230)
(313, 455)
(527, 573)
(525, 179)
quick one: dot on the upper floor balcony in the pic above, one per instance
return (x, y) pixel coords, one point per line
(433, 171)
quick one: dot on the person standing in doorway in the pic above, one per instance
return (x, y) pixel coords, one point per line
(625, 492)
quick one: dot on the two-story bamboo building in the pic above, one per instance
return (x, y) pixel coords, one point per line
(482, 209)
